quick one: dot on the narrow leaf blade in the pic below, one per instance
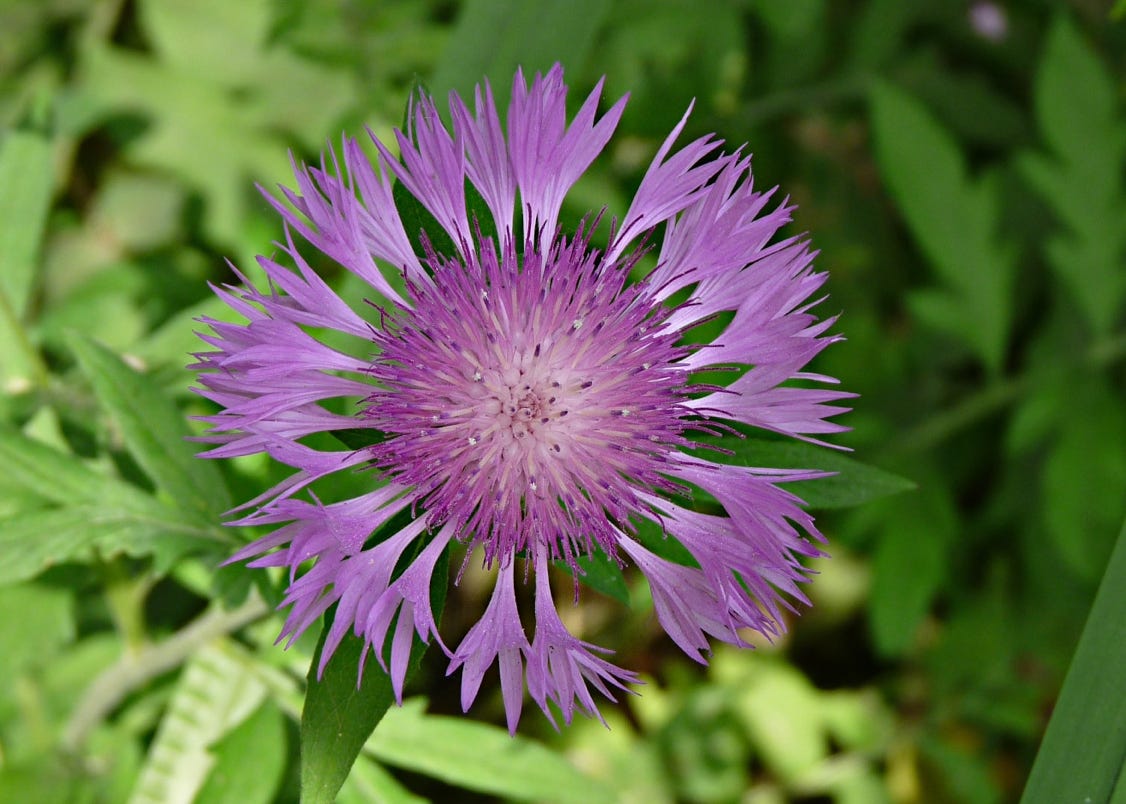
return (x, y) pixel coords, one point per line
(1083, 755)
(339, 714)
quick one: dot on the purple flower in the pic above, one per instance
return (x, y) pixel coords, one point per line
(529, 397)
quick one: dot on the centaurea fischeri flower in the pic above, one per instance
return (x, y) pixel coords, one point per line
(531, 398)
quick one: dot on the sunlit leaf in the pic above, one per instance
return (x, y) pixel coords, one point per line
(215, 693)
(26, 177)
(479, 757)
(249, 761)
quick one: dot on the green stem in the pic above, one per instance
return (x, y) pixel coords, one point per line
(125, 595)
(992, 398)
(787, 101)
(135, 669)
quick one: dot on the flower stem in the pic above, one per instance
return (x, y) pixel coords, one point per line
(994, 397)
(134, 669)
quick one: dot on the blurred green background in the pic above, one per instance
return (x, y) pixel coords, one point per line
(961, 167)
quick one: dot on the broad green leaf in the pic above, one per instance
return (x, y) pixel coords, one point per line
(533, 35)
(955, 221)
(783, 715)
(910, 566)
(479, 757)
(1083, 755)
(45, 623)
(341, 709)
(34, 541)
(215, 693)
(154, 432)
(26, 177)
(249, 761)
(1076, 106)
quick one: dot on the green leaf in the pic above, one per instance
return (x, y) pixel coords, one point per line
(215, 693)
(34, 541)
(26, 176)
(479, 757)
(340, 713)
(359, 437)
(601, 574)
(249, 761)
(57, 476)
(1076, 105)
(533, 35)
(154, 432)
(1084, 475)
(45, 623)
(369, 781)
(955, 221)
(910, 566)
(854, 483)
(1083, 756)
(418, 222)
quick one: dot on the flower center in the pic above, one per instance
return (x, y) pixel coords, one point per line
(528, 402)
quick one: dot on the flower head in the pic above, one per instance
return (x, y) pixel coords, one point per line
(529, 396)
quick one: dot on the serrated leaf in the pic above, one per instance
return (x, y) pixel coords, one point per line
(1077, 111)
(212, 135)
(954, 219)
(480, 757)
(215, 693)
(34, 541)
(340, 714)
(249, 761)
(154, 431)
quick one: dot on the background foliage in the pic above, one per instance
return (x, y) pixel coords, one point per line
(966, 188)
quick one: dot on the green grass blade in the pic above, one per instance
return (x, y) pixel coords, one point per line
(1083, 755)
